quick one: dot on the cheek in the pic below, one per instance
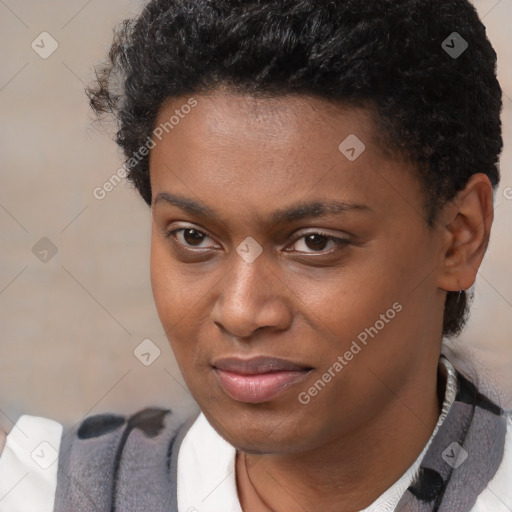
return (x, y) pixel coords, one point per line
(179, 301)
(345, 299)
(369, 300)
(173, 294)
(162, 282)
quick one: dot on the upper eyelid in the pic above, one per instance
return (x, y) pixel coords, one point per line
(184, 228)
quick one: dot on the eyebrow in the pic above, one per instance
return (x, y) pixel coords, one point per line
(295, 212)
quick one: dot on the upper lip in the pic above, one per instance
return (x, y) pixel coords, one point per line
(256, 365)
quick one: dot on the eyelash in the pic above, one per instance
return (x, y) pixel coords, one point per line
(340, 242)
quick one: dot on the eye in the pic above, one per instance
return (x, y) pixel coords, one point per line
(317, 242)
(189, 237)
(309, 243)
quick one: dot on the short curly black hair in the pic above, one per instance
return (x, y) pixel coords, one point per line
(439, 109)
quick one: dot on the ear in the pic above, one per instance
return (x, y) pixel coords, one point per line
(465, 225)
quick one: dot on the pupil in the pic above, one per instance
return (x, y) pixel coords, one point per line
(190, 239)
(320, 242)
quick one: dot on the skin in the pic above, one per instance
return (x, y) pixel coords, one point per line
(244, 158)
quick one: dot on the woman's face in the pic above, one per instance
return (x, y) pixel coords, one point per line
(276, 233)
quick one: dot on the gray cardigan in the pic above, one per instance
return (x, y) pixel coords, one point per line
(90, 469)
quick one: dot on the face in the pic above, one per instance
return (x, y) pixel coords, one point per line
(270, 240)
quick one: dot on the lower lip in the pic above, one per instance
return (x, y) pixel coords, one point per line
(258, 388)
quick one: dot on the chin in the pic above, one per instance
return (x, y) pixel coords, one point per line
(259, 431)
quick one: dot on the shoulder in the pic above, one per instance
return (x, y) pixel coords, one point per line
(129, 461)
(28, 464)
(497, 497)
(106, 461)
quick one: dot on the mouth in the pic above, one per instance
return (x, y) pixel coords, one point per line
(259, 379)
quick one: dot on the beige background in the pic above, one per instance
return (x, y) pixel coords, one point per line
(68, 327)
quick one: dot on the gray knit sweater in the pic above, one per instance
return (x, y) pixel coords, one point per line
(118, 464)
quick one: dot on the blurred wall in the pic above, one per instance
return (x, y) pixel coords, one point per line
(75, 297)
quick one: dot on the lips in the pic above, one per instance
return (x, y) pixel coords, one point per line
(259, 379)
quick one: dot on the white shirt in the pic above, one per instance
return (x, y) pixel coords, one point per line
(28, 466)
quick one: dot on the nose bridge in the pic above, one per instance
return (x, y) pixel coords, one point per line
(250, 298)
(245, 284)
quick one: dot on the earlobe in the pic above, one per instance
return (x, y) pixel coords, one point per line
(467, 221)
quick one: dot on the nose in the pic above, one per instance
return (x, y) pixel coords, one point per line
(252, 296)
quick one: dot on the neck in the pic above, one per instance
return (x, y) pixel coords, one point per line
(374, 457)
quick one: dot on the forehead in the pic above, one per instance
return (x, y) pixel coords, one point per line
(264, 151)
(222, 113)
